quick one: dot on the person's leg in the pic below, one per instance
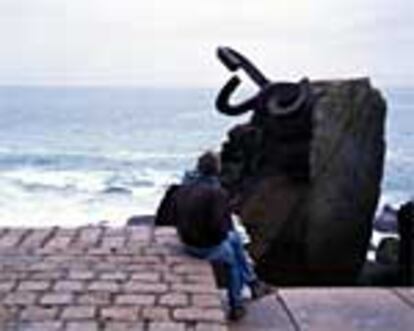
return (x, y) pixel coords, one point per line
(246, 269)
(249, 277)
(225, 253)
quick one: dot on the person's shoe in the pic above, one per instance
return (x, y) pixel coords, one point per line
(236, 313)
(259, 289)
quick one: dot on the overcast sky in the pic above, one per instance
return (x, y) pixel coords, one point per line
(172, 42)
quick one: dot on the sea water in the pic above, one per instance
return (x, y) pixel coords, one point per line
(76, 156)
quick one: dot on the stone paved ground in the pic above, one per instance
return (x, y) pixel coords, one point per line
(332, 309)
(106, 279)
(113, 279)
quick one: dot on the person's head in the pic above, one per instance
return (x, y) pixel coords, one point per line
(208, 164)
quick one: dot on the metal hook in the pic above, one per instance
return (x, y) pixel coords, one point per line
(233, 60)
(223, 104)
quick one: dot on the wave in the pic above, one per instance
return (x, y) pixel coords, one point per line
(42, 158)
(112, 181)
(33, 197)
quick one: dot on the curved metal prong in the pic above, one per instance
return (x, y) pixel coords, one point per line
(223, 99)
(233, 60)
(304, 93)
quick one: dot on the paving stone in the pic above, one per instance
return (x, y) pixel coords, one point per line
(193, 269)
(206, 300)
(156, 250)
(33, 285)
(146, 288)
(115, 275)
(124, 326)
(39, 313)
(82, 326)
(43, 266)
(94, 298)
(348, 309)
(174, 300)
(36, 238)
(221, 327)
(115, 232)
(173, 278)
(7, 313)
(38, 326)
(151, 277)
(113, 242)
(69, 286)
(57, 298)
(58, 242)
(104, 286)
(6, 286)
(166, 326)
(81, 275)
(49, 275)
(89, 237)
(12, 238)
(182, 259)
(135, 299)
(11, 275)
(143, 259)
(20, 298)
(78, 312)
(120, 313)
(207, 279)
(199, 314)
(156, 314)
(194, 288)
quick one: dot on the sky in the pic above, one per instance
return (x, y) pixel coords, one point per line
(173, 42)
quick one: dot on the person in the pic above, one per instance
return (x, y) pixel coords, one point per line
(202, 213)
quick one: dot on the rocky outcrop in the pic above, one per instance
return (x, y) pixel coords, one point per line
(309, 182)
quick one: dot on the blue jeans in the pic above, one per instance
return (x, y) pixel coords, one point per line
(231, 253)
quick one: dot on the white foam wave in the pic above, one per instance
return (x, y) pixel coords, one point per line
(32, 197)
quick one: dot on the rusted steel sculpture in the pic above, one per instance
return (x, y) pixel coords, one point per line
(273, 99)
(306, 168)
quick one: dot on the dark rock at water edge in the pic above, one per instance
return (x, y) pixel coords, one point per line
(140, 220)
(309, 184)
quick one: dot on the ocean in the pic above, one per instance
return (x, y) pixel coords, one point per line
(73, 156)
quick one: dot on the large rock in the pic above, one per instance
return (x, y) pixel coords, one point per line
(310, 183)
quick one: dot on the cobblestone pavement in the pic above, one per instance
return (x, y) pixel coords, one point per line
(113, 279)
(104, 279)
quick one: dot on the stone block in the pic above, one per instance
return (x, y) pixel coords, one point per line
(34, 285)
(104, 286)
(78, 313)
(156, 314)
(120, 313)
(38, 313)
(20, 298)
(82, 326)
(174, 300)
(135, 299)
(194, 314)
(69, 286)
(146, 288)
(56, 298)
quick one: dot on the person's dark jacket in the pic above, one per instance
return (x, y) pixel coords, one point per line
(200, 211)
